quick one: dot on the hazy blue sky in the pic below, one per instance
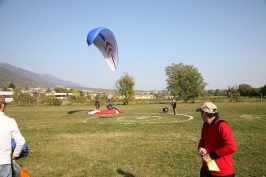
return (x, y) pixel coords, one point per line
(224, 39)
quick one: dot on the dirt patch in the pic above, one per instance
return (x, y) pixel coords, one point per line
(250, 117)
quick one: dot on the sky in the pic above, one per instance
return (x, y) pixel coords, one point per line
(224, 39)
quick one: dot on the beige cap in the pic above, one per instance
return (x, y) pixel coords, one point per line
(208, 107)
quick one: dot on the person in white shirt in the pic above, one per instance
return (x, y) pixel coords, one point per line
(8, 131)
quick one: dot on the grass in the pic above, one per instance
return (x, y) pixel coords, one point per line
(143, 142)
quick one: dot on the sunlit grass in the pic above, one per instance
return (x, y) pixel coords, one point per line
(142, 142)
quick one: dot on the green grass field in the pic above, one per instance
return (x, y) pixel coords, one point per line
(142, 142)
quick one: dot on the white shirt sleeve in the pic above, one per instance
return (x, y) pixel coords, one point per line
(17, 137)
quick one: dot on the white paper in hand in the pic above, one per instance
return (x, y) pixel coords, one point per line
(212, 166)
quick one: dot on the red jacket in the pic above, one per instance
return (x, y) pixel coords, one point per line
(217, 139)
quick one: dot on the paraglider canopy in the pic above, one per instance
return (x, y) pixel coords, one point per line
(105, 41)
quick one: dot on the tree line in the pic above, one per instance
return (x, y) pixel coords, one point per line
(184, 83)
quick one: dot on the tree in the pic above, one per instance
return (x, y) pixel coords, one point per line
(11, 85)
(60, 90)
(26, 98)
(184, 81)
(257, 91)
(77, 96)
(245, 90)
(125, 86)
(217, 92)
(233, 93)
(16, 95)
(263, 90)
(211, 92)
(5, 89)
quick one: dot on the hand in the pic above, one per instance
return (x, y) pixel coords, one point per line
(202, 151)
(206, 158)
(13, 157)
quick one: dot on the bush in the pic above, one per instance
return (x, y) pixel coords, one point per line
(55, 102)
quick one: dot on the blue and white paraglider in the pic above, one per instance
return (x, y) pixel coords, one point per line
(105, 41)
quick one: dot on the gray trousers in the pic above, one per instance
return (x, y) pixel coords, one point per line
(6, 170)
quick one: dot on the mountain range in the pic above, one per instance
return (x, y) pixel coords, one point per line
(24, 78)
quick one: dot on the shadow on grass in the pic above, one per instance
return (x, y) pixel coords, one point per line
(124, 174)
(103, 116)
(72, 112)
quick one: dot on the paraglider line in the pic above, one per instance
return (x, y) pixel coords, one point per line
(113, 61)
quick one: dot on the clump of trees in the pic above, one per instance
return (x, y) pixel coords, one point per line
(73, 96)
(22, 98)
(235, 93)
(184, 81)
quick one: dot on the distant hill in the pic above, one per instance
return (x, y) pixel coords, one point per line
(24, 78)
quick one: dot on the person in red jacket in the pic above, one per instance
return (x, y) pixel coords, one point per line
(216, 144)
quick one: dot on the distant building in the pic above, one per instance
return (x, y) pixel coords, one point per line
(8, 96)
(58, 95)
(61, 96)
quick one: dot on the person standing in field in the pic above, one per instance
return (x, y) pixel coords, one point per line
(174, 106)
(8, 130)
(216, 143)
(97, 104)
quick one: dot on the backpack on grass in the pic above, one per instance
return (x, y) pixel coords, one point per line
(24, 151)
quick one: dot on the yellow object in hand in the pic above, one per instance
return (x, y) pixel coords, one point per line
(212, 166)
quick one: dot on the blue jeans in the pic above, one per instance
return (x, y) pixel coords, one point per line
(6, 170)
